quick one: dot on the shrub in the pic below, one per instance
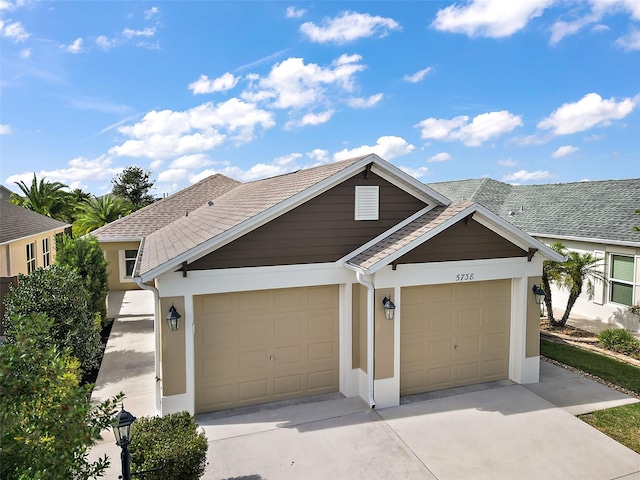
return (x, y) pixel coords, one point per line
(84, 256)
(171, 443)
(46, 417)
(58, 293)
(620, 340)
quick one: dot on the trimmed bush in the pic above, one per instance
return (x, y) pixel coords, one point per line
(171, 443)
(621, 341)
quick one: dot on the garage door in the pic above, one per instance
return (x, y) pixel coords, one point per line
(262, 346)
(454, 335)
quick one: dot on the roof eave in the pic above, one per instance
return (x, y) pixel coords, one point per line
(621, 243)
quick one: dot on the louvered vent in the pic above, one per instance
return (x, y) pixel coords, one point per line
(367, 203)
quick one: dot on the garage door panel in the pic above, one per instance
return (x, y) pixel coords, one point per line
(288, 385)
(322, 381)
(454, 335)
(252, 362)
(322, 352)
(219, 366)
(284, 356)
(320, 324)
(250, 301)
(321, 296)
(253, 391)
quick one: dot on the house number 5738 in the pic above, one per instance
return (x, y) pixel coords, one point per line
(464, 277)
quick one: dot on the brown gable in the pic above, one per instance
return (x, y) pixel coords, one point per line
(320, 230)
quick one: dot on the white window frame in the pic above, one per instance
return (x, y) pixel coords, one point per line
(123, 264)
(31, 257)
(621, 282)
(367, 202)
(46, 253)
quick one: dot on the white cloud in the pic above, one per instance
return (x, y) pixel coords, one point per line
(415, 172)
(631, 41)
(311, 119)
(260, 170)
(5, 130)
(319, 156)
(26, 53)
(387, 147)
(590, 111)
(507, 162)
(418, 76)
(221, 84)
(105, 43)
(440, 157)
(525, 176)
(13, 30)
(167, 133)
(80, 170)
(152, 12)
(482, 128)
(293, 12)
(197, 160)
(365, 102)
(75, 47)
(489, 18)
(173, 175)
(146, 32)
(289, 159)
(564, 151)
(348, 27)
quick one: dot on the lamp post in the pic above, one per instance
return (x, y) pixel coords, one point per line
(122, 431)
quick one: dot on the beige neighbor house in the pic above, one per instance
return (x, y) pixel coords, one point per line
(280, 285)
(593, 217)
(27, 241)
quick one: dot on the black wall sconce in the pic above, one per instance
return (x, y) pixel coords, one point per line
(389, 308)
(539, 293)
(173, 319)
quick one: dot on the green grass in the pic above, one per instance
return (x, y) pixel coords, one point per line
(620, 423)
(609, 369)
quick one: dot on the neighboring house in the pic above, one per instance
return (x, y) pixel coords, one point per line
(597, 217)
(280, 284)
(27, 241)
(120, 240)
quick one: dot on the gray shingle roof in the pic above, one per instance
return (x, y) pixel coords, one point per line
(152, 217)
(596, 210)
(18, 222)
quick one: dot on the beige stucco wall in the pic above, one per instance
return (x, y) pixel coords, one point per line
(384, 337)
(113, 264)
(533, 320)
(173, 353)
(13, 256)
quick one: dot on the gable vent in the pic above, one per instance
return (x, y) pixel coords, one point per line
(367, 202)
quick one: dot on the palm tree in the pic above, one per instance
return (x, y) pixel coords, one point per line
(98, 211)
(578, 271)
(45, 198)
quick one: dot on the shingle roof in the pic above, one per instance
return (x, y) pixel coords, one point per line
(152, 217)
(229, 210)
(406, 235)
(18, 222)
(596, 210)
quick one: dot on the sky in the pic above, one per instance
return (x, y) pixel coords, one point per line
(528, 91)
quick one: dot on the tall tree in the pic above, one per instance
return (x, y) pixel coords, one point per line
(637, 228)
(578, 271)
(46, 198)
(98, 211)
(133, 184)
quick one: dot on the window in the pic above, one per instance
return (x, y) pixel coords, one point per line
(621, 280)
(46, 255)
(367, 203)
(31, 257)
(127, 264)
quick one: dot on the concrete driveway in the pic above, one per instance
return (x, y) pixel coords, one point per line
(506, 432)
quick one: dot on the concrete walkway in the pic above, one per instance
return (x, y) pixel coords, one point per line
(494, 431)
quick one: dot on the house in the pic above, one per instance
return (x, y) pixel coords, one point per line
(594, 217)
(286, 287)
(27, 241)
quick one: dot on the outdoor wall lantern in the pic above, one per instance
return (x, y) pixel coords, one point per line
(173, 319)
(389, 308)
(539, 293)
(122, 431)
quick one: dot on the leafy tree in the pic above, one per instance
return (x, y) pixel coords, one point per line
(45, 198)
(133, 184)
(637, 228)
(59, 293)
(98, 211)
(578, 271)
(84, 256)
(46, 417)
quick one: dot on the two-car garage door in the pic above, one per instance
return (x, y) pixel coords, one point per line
(453, 335)
(262, 346)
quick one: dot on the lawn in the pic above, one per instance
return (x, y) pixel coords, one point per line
(620, 423)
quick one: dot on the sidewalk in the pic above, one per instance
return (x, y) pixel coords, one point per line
(128, 366)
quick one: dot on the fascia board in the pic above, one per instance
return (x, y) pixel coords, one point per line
(604, 241)
(386, 233)
(388, 171)
(13, 240)
(117, 239)
(260, 219)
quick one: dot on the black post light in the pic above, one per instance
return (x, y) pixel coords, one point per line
(389, 308)
(122, 431)
(539, 293)
(173, 319)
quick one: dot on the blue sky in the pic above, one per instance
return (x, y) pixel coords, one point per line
(533, 91)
